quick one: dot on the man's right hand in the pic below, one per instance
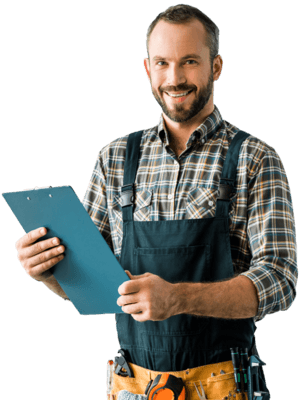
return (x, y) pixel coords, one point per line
(38, 258)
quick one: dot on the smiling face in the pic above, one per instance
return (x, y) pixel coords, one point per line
(179, 69)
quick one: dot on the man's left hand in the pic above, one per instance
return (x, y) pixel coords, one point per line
(147, 297)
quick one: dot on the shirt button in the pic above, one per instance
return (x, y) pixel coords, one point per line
(202, 141)
(170, 196)
(210, 203)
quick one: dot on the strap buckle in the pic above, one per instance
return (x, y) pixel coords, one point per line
(127, 195)
(224, 192)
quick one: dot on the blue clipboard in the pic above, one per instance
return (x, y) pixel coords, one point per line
(90, 274)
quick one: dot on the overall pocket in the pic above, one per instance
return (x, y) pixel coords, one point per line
(175, 264)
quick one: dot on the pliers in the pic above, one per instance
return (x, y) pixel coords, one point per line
(201, 396)
(121, 365)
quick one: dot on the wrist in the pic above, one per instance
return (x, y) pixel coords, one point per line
(197, 298)
(48, 277)
(182, 293)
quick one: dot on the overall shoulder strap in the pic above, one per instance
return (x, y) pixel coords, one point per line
(228, 177)
(130, 170)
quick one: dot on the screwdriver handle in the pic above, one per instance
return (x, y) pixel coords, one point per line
(236, 366)
(244, 366)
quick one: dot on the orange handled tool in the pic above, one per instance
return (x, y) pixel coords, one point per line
(166, 387)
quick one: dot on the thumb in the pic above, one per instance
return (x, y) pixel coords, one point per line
(130, 276)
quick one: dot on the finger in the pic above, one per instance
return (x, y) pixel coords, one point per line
(137, 276)
(132, 309)
(45, 256)
(31, 237)
(41, 246)
(42, 268)
(129, 287)
(140, 317)
(130, 276)
(127, 299)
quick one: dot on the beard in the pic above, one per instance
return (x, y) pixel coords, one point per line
(179, 113)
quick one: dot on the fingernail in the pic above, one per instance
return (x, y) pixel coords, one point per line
(55, 241)
(42, 231)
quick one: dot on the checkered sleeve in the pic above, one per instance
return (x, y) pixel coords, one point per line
(271, 236)
(95, 201)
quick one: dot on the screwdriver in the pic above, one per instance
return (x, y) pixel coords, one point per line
(244, 366)
(236, 365)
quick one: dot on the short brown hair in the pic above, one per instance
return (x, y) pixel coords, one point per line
(183, 13)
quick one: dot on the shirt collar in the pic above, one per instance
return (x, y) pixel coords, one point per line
(201, 134)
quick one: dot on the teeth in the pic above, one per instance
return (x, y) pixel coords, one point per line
(178, 95)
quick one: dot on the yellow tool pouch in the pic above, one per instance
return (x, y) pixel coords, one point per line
(216, 387)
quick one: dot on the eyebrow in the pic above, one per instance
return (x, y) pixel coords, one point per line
(193, 55)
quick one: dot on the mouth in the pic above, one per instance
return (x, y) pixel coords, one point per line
(179, 96)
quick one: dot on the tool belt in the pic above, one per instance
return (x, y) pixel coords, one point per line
(217, 380)
(215, 387)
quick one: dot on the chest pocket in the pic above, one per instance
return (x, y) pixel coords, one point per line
(201, 203)
(141, 212)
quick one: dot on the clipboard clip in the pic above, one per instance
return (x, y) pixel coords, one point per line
(36, 188)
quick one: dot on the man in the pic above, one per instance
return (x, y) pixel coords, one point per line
(199, 215)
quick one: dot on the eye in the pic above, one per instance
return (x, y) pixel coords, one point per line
(160, 62)
(190, 61)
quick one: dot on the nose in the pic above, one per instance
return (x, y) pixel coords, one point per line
(175, 75)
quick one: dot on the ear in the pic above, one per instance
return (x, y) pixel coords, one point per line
(217, 67)
(147, 66)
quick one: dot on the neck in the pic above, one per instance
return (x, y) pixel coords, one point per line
(181, 131)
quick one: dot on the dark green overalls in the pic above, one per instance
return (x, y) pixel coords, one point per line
(190, 250)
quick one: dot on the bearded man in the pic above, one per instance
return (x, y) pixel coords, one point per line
(198, 213)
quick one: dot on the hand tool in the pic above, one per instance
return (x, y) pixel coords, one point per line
(110, 372)
(244, 366)
(201, 396)
(121, 365)
(148, 386)
(254, 393)
(236, 365)
(166, 386)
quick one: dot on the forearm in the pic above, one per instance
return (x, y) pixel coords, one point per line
(233, 299)
(53, 285)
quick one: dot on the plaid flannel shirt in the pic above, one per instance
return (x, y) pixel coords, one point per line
(261, 220)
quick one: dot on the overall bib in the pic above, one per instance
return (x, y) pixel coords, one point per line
(190, 250)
